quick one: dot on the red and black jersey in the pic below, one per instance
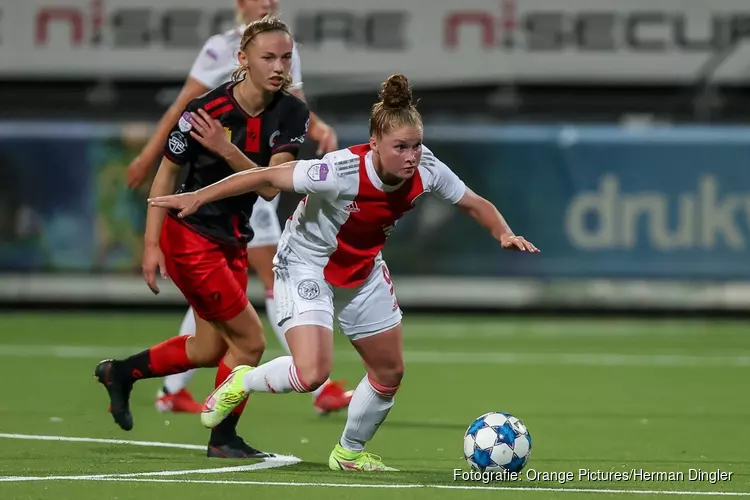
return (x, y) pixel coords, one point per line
(281, 127)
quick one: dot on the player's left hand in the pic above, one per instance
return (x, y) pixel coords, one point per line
(210, 133)
(518, 243)
(326, 138)
(186, 203)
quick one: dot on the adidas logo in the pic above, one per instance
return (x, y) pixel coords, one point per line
(352, 207)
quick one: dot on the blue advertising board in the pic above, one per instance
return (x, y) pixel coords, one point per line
(611, 202)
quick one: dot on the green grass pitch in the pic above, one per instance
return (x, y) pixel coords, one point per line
(609, 395)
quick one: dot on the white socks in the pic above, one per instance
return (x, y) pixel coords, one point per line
(277, 376)
(280, 372)
(369, 406)
(178, 381)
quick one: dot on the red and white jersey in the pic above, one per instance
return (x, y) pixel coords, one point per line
(218, 60)
(342, 224)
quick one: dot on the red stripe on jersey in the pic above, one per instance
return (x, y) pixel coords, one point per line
(252, 135)
(364, 233)
(300, 206)
(236, 226)
(224, 109)
(212, 104)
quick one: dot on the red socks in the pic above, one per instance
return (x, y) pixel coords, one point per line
(167, 358)
(170, 357)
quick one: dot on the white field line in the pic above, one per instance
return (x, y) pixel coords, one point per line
(543, 328)
(267, 463)
(421, 486)
(150, 444)
(431, 357)
(282, 461)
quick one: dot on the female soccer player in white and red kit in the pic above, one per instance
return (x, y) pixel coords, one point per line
(331, 248)
(212, 68)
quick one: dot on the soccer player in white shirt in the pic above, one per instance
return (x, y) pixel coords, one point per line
(213, 67)
(330, 251)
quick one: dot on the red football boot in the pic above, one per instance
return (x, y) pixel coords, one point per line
(332, 398)
(179, 402)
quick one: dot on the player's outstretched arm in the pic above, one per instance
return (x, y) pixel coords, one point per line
(211, 134)
(485, 213)
(280, 177)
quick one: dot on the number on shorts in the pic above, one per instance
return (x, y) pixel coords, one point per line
(387, 277)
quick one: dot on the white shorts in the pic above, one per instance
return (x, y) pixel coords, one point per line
(303, 297)
(265, 223)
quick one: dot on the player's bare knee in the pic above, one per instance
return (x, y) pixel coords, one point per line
(397, 374)
(250, 352)
(236, 357)
(388, 377)
(313, 376)
(393, 378)
(257, 346)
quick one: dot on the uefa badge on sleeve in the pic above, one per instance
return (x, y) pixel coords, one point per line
(184, 123)
(318, 172)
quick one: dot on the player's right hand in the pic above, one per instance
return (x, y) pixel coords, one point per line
(153, 261)
(138, 170)
(186, 203)
(210, 133)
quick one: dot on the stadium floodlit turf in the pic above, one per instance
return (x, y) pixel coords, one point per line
(602, 395)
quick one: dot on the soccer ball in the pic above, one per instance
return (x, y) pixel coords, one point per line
(497, 442)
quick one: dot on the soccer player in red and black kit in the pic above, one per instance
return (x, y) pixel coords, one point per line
(205, 254)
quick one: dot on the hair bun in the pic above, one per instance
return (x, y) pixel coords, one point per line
(396, 92)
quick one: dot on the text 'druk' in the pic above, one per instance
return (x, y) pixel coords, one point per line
(609, 219)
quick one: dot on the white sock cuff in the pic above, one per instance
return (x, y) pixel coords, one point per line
(187, 327)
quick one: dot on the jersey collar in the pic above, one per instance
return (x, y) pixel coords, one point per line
(375, 180)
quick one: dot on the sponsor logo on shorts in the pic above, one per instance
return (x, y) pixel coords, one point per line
(177, 143)
(318, 172)
(308, 289)
(184, 123)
